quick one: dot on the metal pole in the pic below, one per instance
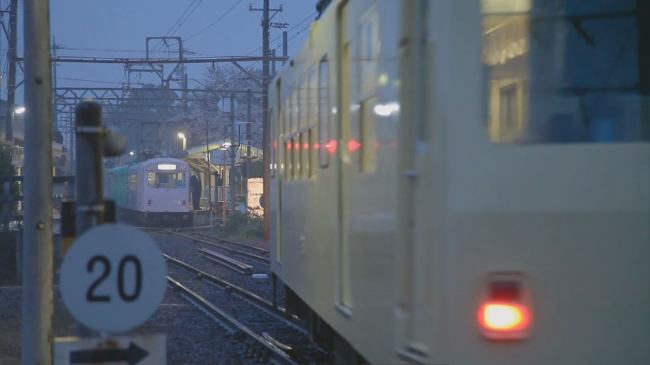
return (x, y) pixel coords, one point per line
(233, 155)
(265, 118)
(11, 75)
(38, 254)
(89, 192)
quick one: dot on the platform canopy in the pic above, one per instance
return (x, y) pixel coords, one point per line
(196, 156)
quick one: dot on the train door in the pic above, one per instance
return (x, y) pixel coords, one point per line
(418, 184)
(343, 156)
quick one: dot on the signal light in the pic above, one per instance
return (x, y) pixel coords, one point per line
(505, 309)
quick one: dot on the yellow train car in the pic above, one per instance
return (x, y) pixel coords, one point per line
(467, 182)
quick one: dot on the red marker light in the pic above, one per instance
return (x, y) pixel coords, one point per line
(331, 146)
(353, 145)
(306, 146)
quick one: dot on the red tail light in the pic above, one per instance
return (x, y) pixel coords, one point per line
(504, 316)
(505, 310)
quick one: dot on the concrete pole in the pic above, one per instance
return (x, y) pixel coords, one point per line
(207, 150)
(11, 74)
(265, 119)
(89, 171)
(38, 254)
(233, 155)
(285, 45)
(248, 146)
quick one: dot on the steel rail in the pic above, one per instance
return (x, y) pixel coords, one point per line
(249, 297)
(275, 354)
(227, 262)
(205, 236)
(230, 250)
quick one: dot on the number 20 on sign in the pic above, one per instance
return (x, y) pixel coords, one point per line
(113, 278)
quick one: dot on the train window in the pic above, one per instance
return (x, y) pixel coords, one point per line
(303, 103)
(323, 112)
(304, 144)
(166, 180)
(367, 136)
(274, 143)
(286, 116)
(312, 96)
(295, 102)
(368, 51)
(287, 160)
(566, 71)
(296, 157)
(133, 183)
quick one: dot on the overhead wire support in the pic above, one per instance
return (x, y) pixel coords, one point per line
(266, 19)
(68, 59)
(11, 75)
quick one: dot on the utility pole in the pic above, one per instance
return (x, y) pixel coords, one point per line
(285, 45)
(273, 64)
(38, 249)
(643, 32)
(207, 151)
(11, 76)
(233, 155)
(247, 169)
(266, 19)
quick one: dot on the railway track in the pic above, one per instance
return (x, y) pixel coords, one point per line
(263, 327)
(227, 262)
(253, 299)
(207, 240)
(211, 238)
(262, 348)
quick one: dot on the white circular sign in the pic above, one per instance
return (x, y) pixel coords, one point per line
(113, 278)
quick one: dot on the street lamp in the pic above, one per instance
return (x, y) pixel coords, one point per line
(132, 153)
(182, 136)
(20, 110)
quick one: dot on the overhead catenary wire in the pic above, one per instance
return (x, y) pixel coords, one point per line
(215, 22)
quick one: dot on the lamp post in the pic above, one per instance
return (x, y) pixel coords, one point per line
(182, 136)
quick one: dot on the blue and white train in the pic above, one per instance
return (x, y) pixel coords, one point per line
(155, 192)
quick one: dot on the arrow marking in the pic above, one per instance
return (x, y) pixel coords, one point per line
(132, 355)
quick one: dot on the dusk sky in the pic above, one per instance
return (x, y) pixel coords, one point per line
(118, 28)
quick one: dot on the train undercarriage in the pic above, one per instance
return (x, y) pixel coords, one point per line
(155, 219)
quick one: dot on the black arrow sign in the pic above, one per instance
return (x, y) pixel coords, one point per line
(132, 355)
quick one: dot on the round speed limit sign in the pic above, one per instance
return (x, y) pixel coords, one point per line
(113, 278)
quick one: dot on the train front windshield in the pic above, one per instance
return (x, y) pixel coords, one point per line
(166, 180)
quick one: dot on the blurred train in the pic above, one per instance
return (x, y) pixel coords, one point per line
(154, 192)
(467, 182)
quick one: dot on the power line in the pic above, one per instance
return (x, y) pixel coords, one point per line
(213, 23)
(100, 49)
